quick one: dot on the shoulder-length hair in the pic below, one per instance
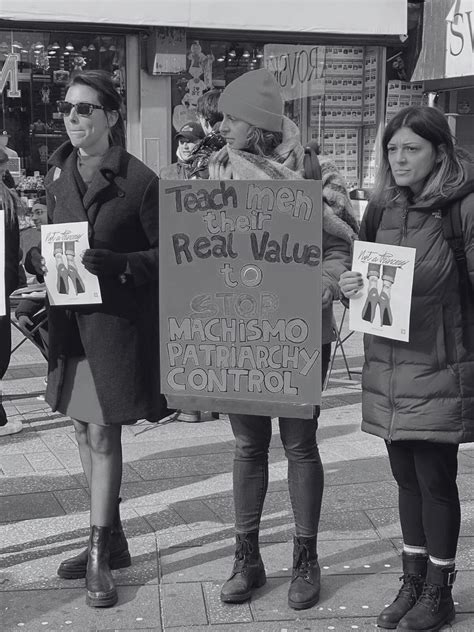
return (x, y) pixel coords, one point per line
(262, 142)
(101, 82)
(447, 173)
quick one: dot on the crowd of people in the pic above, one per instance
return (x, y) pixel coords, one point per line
(417, 396)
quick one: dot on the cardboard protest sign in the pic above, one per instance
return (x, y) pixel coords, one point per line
(240, 296)
(67, 281)
(3, 309)
(383, 308)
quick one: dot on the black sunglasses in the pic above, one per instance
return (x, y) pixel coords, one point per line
(82, 109)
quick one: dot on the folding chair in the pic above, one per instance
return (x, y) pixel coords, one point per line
(28, 334)
(340, 345)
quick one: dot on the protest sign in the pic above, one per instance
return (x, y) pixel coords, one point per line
(240, 296)
(3, 309)
(67, 281)
(383, 307)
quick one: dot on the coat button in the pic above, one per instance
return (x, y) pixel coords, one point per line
(121, 194)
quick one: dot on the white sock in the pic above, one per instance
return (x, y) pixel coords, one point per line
(415, 550)
(438, 562)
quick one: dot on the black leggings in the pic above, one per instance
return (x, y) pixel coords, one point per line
(428, 499)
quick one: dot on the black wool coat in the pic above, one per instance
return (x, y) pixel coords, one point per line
(120, 338)
(12, 258)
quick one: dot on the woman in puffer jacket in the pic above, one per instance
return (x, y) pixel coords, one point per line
(262, 144)
(419, 395)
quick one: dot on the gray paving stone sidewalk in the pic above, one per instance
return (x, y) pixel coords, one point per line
(178, 514)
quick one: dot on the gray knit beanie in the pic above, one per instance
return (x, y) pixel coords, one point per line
(255, 98)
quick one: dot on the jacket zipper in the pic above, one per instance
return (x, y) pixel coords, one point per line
(392, 350)
(404, 225)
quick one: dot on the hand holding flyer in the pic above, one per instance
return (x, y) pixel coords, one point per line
(383, 306)
(67, 280)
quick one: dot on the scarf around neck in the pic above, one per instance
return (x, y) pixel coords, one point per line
(287, 163)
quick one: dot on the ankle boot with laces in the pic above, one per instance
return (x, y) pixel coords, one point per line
(248, 572)
(435, 607)
(306, 578)
(413, 578)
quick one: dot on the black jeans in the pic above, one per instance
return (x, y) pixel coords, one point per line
(305, 471)
(430, 512)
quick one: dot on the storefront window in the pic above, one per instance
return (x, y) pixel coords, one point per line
(330, 92)
(31, 127)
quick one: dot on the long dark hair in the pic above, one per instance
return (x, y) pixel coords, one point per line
(101, 82)
(447, 173)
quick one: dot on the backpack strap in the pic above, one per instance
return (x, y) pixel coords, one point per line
(370, 222)
(311, 165)
(453, 233)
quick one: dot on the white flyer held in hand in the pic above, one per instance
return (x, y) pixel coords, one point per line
(67, 281)
(382, 308)
(3, 309)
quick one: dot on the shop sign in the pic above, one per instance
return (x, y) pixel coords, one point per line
(460, 39)
(9, 73)
(240, 288)
(298, 69)
(167, 51)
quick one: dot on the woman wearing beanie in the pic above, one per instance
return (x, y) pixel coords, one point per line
(262, 144)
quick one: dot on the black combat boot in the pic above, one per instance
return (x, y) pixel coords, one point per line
(413, 578)
(306, 578)
(435, 607)
(75, 567)
(100, 585)
(248, 571)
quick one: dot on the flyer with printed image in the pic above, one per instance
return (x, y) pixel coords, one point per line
(3, 309)
(67, 281)
(383, 306)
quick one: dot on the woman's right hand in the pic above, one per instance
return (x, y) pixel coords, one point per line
(350, 283)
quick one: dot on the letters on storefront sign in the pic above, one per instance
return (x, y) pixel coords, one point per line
(9, 73)
(460, 39)
(298, 69)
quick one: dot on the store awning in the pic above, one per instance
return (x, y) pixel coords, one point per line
(365, 17)
(448, 40)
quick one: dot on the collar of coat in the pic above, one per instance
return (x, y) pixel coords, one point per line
(111, 164)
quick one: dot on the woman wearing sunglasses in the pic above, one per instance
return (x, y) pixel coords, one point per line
(103, 359)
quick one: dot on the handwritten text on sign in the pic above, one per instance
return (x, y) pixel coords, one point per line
(240, 289)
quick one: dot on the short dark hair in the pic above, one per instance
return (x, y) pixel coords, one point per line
(101, 82)
(207, 107)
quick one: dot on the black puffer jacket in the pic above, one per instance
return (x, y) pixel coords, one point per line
(424, 389)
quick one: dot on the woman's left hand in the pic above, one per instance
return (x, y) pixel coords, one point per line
(104, 262)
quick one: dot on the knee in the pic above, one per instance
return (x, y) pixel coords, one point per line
(249, 449)
(103, 440)
(82, 437)
(299, 440)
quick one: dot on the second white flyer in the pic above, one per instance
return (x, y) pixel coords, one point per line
(67, 281)
(383, 306)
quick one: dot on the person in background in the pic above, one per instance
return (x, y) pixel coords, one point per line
(5, 175)
(28, 311)
(103, 365)
(4, 138)
(188, 136)
(263, 144)
(419, 395)
(210, 119)
(10, 203)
